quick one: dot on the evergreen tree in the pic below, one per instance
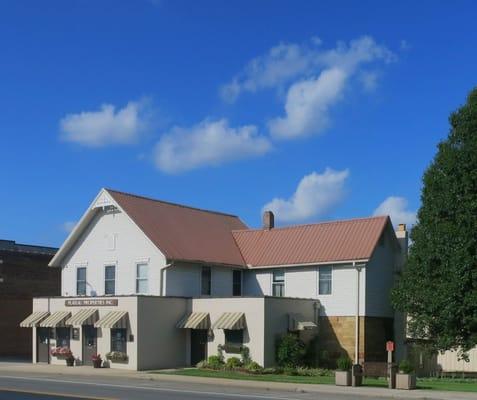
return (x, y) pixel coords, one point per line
(438, 287)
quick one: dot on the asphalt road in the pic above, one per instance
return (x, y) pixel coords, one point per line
(37, 387)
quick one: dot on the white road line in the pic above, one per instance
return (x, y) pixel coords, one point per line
(158, 389)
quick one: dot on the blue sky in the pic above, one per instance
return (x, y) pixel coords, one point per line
(317, 110)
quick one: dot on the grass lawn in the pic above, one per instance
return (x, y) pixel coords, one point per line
(456, 385)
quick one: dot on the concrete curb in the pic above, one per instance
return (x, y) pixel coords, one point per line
(85, 372)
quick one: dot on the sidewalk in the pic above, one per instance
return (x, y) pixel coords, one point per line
(43, 370)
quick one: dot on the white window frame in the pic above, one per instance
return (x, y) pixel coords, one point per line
(115, 265)
(77, 267)
(331, 280)
(137, 263)
(273, 281)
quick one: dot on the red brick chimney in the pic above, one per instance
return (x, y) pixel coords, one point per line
(268, 220)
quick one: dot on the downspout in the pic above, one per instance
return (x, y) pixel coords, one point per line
(356, 328)
(162, 287)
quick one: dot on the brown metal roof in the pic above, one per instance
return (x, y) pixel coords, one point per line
(184, 233)
(315, 243)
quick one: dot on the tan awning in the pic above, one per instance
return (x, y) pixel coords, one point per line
(86, 316)
(296, 322)
(57, 318)
(113, 319)
(195, 320)
(230, 320)
(34, 318)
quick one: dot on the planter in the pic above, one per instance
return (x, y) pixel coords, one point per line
(343, 378)
(405, 381)
(97, 363)
(70, 362)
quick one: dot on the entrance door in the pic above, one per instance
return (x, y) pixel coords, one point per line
(89, 343)
(43, 345)
(198, 345)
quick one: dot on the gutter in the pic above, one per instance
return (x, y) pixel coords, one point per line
(162, 286)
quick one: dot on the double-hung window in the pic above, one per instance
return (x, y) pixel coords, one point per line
(278, 283)
(237, 283)
(206, 281)
(81, 281)
(142, 278)
(325, 280)
(110, 279)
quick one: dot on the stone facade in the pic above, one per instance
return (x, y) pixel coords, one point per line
(24, 274)
(336, 337)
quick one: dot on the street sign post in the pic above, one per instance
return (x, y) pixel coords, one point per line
(391, 367)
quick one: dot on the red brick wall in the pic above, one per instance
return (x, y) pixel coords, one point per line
(23, 276)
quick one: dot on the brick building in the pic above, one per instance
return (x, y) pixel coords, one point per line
(24, 274)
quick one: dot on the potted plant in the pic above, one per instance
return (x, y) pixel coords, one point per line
(70, 360)
(97, 361)
(343, 372)
(405, 378)
(117, 356)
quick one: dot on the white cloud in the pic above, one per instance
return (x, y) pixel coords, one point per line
(207, 143)
(106, 126)
(396, 208)
(369, 80)
(307, 105)
(68, 226)
(315, 195)
(289, 61)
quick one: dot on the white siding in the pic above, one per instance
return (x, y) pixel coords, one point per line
(183, 279)
(93, 251)
(302, 282)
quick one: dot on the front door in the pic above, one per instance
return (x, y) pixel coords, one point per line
(198, 345)
(89, 343)
(43, 345)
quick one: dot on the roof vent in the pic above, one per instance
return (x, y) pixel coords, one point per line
(268, 220)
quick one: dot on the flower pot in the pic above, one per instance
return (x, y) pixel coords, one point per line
(97, 363)
(343, 378)
(405, 381)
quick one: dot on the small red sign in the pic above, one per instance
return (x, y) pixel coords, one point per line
(389, 346)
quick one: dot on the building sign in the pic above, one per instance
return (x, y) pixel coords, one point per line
(91, 302)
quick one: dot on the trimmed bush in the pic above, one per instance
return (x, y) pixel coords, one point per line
(344, 363)
(202, 364)
(254, 368)
(245, 354)
(290, 351)
(233, 362)
(406, 367)
(215, 362)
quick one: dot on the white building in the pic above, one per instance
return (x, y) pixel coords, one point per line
(165, 284)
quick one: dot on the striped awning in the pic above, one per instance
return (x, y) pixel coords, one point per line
(86, 316)
(296, 322)
(34, 318)
(195, 320)
(57, 318)
(231, 320)
(113, 319)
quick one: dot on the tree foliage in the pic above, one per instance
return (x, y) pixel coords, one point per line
(438, 287)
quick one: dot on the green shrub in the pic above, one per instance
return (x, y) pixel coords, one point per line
(290, 371)
(233, 362)
(245, 354)
(202, 364)
(254, 368)
(215, 362)
(406, 367)
(313, 372)
(290, 351)
(344, 363)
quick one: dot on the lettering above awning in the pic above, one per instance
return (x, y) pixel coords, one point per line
(296, 322)
(34, 318)
(195, 320)
(86, 316)
(91, 302)
(58, 318)
(113, 319)
(231, 320)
